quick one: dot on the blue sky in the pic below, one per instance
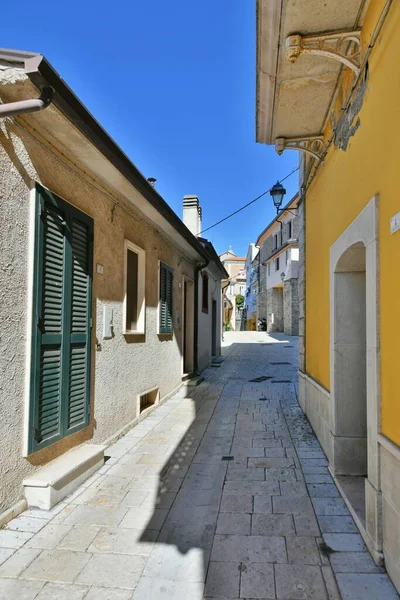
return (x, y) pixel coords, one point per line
(174, 84)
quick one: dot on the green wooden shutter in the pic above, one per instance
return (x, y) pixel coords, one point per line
(166, 287)
(48, 323)
(80, 326)
(61, 321)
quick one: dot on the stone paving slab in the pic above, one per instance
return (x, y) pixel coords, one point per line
(62, 591)
(224, 494)
(18, 562)
(16, 589)
(366, 586)
(295, 582)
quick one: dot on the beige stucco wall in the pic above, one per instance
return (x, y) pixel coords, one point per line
(204, 356)
(122, 367)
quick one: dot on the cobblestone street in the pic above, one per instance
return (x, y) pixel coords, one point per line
(224, 494)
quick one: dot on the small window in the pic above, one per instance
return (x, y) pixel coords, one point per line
(269, 268)
(275, 241)
(204, 295)
(232, 289)
(277, 264)
(289, 229)
(165, 306)
(148, 399)
(134, 302)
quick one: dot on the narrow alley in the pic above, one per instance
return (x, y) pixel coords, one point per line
(223, 494)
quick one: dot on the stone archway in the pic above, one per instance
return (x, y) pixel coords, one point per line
(350, 358)
(355, 372)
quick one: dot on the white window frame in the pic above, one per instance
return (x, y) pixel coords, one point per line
(141, 284)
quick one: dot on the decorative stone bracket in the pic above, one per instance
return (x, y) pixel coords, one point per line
(343, 46)
(312, 145)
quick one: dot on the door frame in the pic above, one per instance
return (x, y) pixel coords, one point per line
(364, 228)
(187, 343)
(213, 327)
(31, 341)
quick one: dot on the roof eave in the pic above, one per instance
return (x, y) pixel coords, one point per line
(42, 74)
(268, 17)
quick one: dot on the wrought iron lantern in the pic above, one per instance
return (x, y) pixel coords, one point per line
(277, 193)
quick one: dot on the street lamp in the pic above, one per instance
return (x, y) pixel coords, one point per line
(282, 276)
(277, 192)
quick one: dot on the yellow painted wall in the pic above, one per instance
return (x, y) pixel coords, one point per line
(344, 184)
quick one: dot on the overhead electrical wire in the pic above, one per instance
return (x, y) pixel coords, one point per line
(248, 204)
(119, 204)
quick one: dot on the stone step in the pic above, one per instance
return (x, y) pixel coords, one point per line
(51, 483)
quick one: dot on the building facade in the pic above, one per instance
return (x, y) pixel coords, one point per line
(252, 275)
(277, 300)
(235, 285)
(343, 120)
(208, 289)
(98, 284)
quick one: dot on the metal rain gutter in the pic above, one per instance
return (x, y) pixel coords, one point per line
(12, 109)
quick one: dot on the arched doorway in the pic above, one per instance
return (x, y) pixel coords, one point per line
(350, 360)
(355, 372)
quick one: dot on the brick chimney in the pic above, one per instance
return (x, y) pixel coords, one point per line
(192, 214)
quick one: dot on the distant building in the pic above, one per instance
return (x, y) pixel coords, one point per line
(235, 285)
(252, 277)
(277, 300)
(209, 275)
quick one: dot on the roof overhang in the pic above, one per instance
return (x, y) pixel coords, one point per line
(72, 130)
(214, 258)
(293, 98)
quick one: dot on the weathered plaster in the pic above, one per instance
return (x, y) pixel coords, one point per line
(125, 366)
(204, 356)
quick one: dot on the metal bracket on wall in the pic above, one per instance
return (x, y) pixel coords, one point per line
(343, 46)
(312, 145)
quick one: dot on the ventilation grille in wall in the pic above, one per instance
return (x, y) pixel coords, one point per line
(148, 399)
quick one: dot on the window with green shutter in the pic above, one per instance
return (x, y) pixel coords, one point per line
(61, 325)
(165, 307)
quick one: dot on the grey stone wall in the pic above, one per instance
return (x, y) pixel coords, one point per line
(263, 278)
(275, 309)
(262, 303)
(262, 294)
(291, 307)
(268, 248)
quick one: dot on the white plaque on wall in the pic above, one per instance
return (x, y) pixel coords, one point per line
(395, 223)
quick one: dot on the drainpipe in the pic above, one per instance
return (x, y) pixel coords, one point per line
(199, 267)
(12, 109)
